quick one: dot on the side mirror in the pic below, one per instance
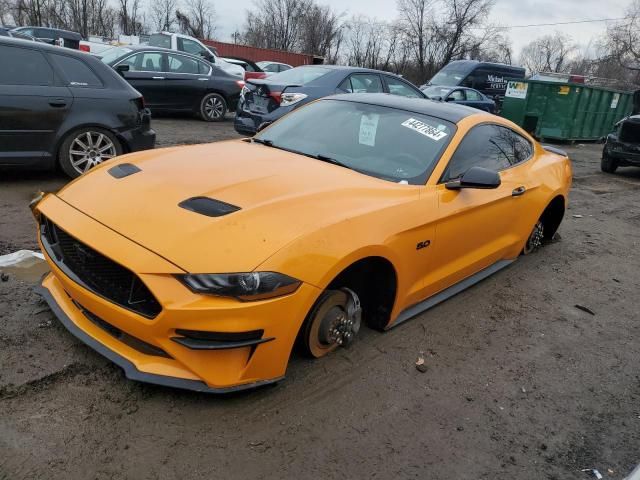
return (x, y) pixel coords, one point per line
(450, 99)
(262, 126)
(475, 177)
(122, 68)
(208, 57)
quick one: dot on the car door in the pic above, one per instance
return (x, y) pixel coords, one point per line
(147, 74)
(476, 100)
(186, 81)
(395, 86)
(33, 105)
(456, 96)
(476, 227)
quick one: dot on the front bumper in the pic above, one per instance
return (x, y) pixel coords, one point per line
(155, 356)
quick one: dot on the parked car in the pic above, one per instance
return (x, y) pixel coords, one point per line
(93, 47)
(622, 146)
(64, 108)
(463, 96)
(53, 36)
(488, 78)
(187, 44)
(9, 32)
(362, 209)
(273, 67)
(177, 82)
(251, 69)
(265, 100)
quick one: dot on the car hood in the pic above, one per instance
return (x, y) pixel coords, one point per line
(281, 196)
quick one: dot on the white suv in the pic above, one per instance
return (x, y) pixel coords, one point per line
(185, 43)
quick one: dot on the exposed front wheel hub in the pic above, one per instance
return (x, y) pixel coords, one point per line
(334, 323)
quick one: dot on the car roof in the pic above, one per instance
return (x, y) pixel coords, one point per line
(445, 111)
(42, 46)
(70, 34)
(149, 48)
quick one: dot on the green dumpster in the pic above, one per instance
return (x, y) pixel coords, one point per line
(565, 111)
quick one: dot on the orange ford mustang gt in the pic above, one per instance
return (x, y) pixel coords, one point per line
(199, 267)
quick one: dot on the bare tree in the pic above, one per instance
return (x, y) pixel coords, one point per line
(278, 23)
(550, 53)
(131, 22)
(163, 14)
(416, 22)
(198, 19)
(321, 33)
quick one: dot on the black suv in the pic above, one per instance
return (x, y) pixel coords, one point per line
(60, 107)
(622, 147)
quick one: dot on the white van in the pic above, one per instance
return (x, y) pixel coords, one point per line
(185, 43)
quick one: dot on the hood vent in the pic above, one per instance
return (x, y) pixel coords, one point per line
(208, 206)
(123, 170)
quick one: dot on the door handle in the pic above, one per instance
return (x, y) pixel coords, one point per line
(158, 78)
(203, 79)
(518, 191)
(57, 102)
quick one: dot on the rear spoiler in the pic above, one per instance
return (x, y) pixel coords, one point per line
(555, 150)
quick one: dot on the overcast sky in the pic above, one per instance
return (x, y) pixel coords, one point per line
(231, 14)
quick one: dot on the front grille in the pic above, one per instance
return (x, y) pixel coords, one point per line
(96, 272)
(124, 337)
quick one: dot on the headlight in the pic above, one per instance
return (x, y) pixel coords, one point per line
(291, 99)
(243, 286)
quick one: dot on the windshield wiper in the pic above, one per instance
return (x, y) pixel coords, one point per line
(263, 141)
(327, 159)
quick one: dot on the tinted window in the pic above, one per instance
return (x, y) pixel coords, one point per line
(144, 62)
(398, 87)
(21, 66)
(299, 76)
(159, 40)
(383, 142)
(473, 96)
(363, 83)
(484, 146)
(282, 67)
(452, 74)
(46, 33)
(182, 64)
(76, 72)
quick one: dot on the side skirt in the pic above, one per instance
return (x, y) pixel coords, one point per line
(448, 292)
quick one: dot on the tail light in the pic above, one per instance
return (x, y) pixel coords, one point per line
(139, 103)
(240, 83)
(277, 96)
(85, 48)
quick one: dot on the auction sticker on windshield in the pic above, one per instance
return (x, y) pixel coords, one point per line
(425, 129)
(368, 128)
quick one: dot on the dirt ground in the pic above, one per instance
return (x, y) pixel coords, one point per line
(520, 384)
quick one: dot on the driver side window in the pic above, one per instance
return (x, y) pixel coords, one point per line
(484, 146)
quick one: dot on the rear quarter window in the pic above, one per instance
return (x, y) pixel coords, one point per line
(76, 72)
(23, 66)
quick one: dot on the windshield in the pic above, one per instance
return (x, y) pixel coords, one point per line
(112, 54)
(433, 92)
(452, 74)
(298, 76)
(387, 143)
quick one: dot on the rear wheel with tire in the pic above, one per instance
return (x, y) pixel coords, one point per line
(85, 148)
(213, 107)
(608, 164)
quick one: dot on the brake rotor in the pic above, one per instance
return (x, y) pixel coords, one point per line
(535, 239)
(335, 321)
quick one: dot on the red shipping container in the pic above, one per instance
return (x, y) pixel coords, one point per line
(256, 54)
